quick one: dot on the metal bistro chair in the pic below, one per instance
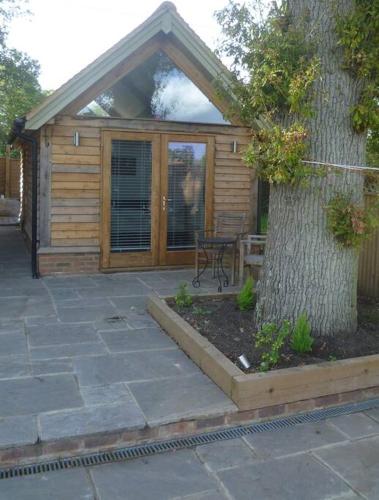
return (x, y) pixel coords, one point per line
(249, 258)
(228, 225)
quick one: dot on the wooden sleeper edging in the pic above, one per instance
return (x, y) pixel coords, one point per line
(260, 390)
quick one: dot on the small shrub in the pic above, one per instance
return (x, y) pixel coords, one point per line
(245, 299)
(272, 339)
(302, 340)
(183, 298)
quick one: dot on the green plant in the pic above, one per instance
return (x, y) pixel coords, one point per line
(301, 338)
(349, 223)
(200, 310)
(245, 299)
(271, 338)
(183, 298)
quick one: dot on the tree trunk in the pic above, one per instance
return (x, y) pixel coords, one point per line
(304, 268)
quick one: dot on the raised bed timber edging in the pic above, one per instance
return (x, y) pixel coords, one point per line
(259, 390)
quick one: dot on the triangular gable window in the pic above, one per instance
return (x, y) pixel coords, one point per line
(157, 89)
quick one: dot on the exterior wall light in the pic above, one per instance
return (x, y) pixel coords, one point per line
(76, 139)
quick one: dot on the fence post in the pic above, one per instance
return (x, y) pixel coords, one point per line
(8, 188)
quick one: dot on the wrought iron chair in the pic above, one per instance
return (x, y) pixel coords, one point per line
(247, 257)
(228, 225)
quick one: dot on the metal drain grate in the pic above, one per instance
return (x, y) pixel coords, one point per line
(143, 450)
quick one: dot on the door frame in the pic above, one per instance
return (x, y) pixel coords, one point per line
(129, 259)
(159, 255)
(183, 257)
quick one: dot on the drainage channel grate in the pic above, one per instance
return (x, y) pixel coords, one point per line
(143, 450)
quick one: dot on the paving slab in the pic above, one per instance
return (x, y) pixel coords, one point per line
(374, 414)
(116, 289)
(178, 398)
(14, 366)
(17, 431)
(129, 304)
(105, 394)
(13, 344)
(55, 334)
(128, 367)
(357, 462)
(91, 420)
(290, 478)
(51, 366)
(32, 395)
(295, 439)
(70, 282)
(11, 325)
(60, 294)
(67, 351)
(225, 454)
(140, 320)
(62, 485)
(137, 340)
(85, 314)
(356, 425)
(158, 477)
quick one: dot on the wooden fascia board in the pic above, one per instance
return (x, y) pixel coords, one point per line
(166, 21)
(90, 75)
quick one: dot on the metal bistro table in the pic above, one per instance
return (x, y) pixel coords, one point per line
(215, 246)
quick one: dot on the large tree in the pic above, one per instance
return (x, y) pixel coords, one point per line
(305, 87)
(19, 86)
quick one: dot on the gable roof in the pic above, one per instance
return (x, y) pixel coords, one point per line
(164, 20)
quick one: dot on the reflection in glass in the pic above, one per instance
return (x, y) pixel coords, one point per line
(186, 193)
(157, 89)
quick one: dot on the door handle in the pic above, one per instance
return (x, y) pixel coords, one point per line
(165, 201)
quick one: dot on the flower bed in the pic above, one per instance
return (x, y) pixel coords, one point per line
(259, 390)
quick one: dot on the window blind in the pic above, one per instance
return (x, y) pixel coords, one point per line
(131, 196)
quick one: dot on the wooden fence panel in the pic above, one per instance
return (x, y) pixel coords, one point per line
(368, 273)
(10, 177)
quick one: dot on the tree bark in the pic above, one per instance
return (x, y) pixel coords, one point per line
(305, 269)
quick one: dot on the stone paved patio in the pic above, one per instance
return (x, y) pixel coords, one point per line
(80, 355)
(334, 459)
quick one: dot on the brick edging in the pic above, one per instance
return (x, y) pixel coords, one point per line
(107, 441)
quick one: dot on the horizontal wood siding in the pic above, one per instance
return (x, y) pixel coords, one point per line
(75, 187)
(234, 189)
(76, 173)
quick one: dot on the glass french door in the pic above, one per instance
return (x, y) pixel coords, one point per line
(130, 199)
(186, 195)
(157, 191)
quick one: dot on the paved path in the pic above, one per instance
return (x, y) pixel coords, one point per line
(80, 355)
(334, 459)
(9, 211)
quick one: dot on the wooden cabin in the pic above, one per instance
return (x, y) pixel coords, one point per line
(134, 154)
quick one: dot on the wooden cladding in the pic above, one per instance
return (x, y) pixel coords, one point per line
(76, 173)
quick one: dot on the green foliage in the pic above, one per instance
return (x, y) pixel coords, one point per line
(277, 154)
(183, 298)
(19, 87)
(358, 34)
(349, 223)
(281, 68)
(245, 299)
(271, 338)
(301, 338)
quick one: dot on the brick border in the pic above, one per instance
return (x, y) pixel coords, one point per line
(254, 391)
(108, 441)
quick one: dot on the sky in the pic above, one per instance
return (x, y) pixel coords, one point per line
(66, 35)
